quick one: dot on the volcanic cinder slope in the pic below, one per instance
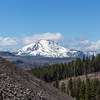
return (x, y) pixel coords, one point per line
(16, 84)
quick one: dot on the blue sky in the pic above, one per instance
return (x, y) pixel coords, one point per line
(72, 18)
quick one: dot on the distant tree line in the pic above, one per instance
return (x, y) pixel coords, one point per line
(78, 67)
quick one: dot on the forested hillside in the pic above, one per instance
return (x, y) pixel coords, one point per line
(61, 71)
(81, 90)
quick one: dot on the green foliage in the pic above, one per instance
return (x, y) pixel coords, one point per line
(89, 90)
(70, 86)
(63, 87)
(57, 83)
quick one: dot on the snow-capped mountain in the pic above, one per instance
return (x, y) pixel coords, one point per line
(48, 48)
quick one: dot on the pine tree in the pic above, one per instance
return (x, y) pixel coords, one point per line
(63, 87)
(98, 92)
(70, 86)
(87, 90)
(57, 83)
(82, 91)
(78, 86)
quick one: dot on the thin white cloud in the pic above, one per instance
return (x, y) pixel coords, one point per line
(78, 43)
(47, 36)
(12, 41)
(87, 46)
(8, 41)
(84, 42)
(77, 39)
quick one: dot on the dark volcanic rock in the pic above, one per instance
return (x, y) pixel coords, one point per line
(16, 84)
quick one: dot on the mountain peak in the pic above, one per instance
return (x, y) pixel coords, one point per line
(47, 48)
(46, 42)
(43, 40)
